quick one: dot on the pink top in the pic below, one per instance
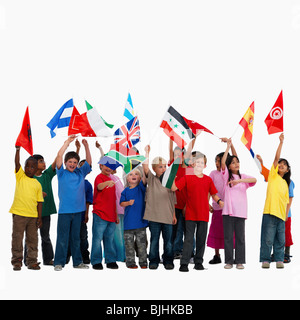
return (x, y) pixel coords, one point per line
(235, 200)
(119, 188)
(217, 178)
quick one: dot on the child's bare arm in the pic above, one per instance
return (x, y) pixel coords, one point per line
(88, 156)
(146, 162)
(127, 203)
(223, 162)
(17, 159)
(39, 209)
(98, 146)
(61, 152)
(278, 152)
(105, 184)
(218, 200)
(171, 152)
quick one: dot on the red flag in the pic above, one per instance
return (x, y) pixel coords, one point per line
(195, 126)
(74, 126)
(25, 138)
(274, 120)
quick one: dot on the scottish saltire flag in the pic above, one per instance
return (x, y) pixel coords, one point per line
(129, 112)
(129, 134)
(62, 118)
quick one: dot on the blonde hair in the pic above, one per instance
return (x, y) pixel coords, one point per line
(158, 160)
(197, 155)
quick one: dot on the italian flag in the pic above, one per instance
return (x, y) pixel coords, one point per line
(170, 174)
(176, 128)
(89, 124)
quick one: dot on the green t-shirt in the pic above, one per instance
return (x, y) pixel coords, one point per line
(46, 181)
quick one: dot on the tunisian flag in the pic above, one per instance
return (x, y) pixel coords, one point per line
(274, 120)
(25, 137)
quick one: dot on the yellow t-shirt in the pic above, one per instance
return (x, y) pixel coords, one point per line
(277, 195)
(27, 195)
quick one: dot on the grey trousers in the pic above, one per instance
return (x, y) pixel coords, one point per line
(234, 226)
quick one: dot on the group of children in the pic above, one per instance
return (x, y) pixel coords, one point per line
(122, 215)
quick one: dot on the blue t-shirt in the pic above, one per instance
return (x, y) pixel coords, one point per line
(71, 189)
(133, 215)
(291, 195)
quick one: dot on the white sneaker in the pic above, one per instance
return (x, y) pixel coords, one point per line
(58, 267)
(82, 266)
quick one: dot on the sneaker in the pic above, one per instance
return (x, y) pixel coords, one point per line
(228, 266)
(153, 266)
(81, 266)
(58, 267)
(184, 268)
(265, 265)
(198, 266)
(240, 266)
(132, 266)
(215, 260)
(98, 266)
(112, 265)
(144, 267)
(279, 265)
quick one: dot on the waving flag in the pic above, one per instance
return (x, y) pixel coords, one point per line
(170, 174)
(129, 112)
(24, 139)
(62, 118)
(195, 126)
(129, 134)
(274, 120)
(176, 128)
(247, 123)
(128, 158)
(88, 124)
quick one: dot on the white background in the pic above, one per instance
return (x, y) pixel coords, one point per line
(208, 59)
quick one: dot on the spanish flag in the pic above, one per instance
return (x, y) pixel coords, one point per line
(247, 123)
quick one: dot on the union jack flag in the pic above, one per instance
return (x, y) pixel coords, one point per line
(129, 134)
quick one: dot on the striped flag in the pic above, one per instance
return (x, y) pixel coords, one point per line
(170, 174)
(176, 128)
(62, 118)
(247, 123)
(129, 112)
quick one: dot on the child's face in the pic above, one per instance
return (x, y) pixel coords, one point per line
(282, 168)
(41, 165)
(234, 166)
(71, 164)
(159, 169)
(218, 163)
(30, 168)
(105, 170)
(199, 165)
(134, 178)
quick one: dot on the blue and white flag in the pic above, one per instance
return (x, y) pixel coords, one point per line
(256, 160)
(62, 118)
(129, 112)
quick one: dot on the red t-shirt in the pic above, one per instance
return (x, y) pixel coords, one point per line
(197, 206)
(180, 194)
(105, 200)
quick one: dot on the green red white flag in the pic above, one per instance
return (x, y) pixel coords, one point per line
(89, 124)
(170, 174)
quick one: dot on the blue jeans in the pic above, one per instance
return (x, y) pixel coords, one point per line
(68, 229)
(103, 230)
(156, 229)
(272, 236)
